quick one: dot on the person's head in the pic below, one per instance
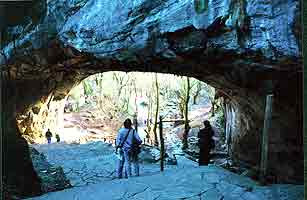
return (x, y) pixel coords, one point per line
(48, 129)
(127, 123)
(207, 123)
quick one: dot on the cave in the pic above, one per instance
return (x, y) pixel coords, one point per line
(246, 49)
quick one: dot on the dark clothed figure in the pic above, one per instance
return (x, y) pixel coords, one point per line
(48, 136)
(57, 138)
(135, 122)
(205, 143)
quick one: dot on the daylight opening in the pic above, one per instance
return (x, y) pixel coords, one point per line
(96, 109)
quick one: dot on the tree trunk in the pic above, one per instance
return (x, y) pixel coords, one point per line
(186, 122)
(135, 99)
(197, 93)
(161, 145)
(157, 110)
(148, 116)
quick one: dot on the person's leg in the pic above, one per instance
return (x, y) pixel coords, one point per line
(120, 168)
(203, 160)
(127, 164)
(206, 156)
(136, 165)
(49, 140)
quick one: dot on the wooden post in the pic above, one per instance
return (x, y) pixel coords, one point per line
(265, 138)
(161, 145)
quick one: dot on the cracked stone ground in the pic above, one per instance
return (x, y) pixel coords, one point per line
(91, 170)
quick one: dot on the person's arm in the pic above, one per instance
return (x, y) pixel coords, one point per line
(119, 138)
(118, 141)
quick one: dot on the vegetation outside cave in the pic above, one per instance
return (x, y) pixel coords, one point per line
(101, 102)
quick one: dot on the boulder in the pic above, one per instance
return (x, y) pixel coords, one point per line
(52, 177)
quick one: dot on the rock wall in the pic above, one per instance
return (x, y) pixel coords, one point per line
(246, 48)
(244, 126)
(45, 114)
(19, 178)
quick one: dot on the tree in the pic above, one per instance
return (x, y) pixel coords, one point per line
(87, 89)
(186, 112)
(197, 91)
(122, 80)
(98, 80)
(149, 113)
(210, 91)
(157, 109)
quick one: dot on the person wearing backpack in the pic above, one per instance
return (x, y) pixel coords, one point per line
(128, 144)
(206, 143)
(48, 135)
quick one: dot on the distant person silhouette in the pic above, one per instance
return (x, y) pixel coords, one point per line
(57, 136)
(128, 141)
(205, 143)
(48, 136)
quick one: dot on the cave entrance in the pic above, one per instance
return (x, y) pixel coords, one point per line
(95, 109)
(91, 113)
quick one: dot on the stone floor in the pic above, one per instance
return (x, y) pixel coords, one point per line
(184, 181)
(212, 183)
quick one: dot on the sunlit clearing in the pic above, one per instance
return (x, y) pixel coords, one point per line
(96, 108)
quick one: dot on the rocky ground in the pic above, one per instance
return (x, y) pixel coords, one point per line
(91, 170)
(92, 162)
(90, 166)
(52, 176)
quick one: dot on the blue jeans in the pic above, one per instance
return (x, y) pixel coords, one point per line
(49, 140)
(128, 158)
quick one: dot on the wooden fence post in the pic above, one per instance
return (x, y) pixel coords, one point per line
(265, 138)
(161, 145)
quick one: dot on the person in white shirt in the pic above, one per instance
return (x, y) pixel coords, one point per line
(128, 142)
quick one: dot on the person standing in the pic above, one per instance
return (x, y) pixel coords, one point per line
(57, 136)
(48, 136)
(135, 122)
(128, 142)
(205, 143)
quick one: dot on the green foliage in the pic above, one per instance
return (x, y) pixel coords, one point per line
(88, 90)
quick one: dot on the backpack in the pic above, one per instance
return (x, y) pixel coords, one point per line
(136, 148)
